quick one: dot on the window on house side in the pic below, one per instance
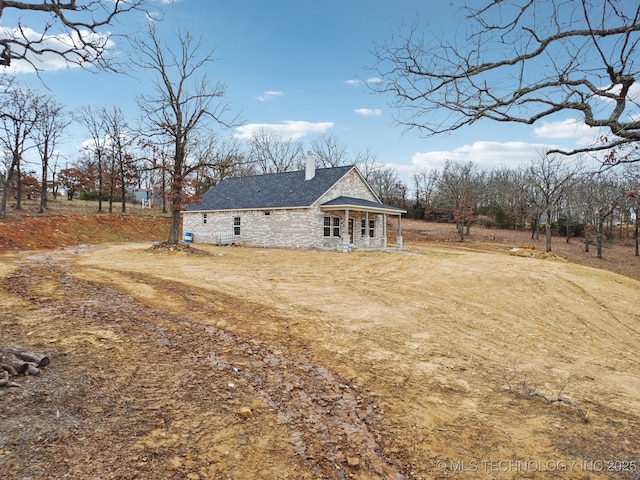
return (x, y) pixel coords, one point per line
(204, 218)
(327, 226)
(363, 227)
(336, 226)
(236, 225)
(372, 228)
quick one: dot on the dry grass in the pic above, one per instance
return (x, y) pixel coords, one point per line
(618, 254)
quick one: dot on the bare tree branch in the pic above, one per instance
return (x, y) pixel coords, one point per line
(515, 66)
(73, 31)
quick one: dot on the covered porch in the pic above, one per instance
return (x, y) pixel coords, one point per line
(359, 223)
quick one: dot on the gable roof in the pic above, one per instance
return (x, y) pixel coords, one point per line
(276, 190)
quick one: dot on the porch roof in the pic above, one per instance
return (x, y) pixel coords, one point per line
(359, 204)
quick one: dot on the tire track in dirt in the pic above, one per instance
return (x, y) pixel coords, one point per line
(332, 429)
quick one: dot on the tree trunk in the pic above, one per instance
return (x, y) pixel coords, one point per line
(100, 183)
(586, 238)
(18, 187)
(43, 186)
(548, 232)
(123, 187)
(176, 191)
(599, 236)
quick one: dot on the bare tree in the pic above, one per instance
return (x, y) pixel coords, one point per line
(47, 134)
(458, 190)
(425, 183)
(383, 179)
(119, 142)
(93, 120)
(274, 154)
(550, 179)
(507, 198)
(220, 157)
(366, 161)
(17, 120)
(329, 151)
(78, 31)
(521, 61)
(181, 101)
(632, 196)
(601, 194)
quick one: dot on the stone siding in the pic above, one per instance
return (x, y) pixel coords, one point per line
(351, 185)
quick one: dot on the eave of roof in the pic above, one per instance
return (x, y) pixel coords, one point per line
(359, 204)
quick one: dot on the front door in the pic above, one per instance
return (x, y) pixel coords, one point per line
(351, 230)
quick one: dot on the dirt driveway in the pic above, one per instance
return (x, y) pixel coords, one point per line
(239, 363)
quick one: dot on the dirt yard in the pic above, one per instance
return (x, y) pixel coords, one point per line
(444, 360)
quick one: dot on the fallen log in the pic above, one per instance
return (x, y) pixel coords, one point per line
(32, 357)
(12, 364)
(17, 362)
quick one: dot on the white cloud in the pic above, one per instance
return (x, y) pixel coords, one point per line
(634, 92)
(369, 112)
(270, 95)
(486, 155)
(289, 129)
(49, 60)
(362, 82)
(570, 128)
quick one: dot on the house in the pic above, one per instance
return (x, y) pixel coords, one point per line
(328, 208)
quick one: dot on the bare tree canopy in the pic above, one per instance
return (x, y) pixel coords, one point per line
(74, 31)
(181, 102)
(329, 151)
(273, 154)
(522, 61)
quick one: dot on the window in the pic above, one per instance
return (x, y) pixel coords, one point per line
(363, 227)
(204, 218)
(336, 226)
(236, 225)
(267, 213)
(372, 228)
(331, 225)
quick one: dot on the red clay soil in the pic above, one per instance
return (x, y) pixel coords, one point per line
(36, 233)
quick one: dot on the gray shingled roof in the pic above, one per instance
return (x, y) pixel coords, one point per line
(275, 190)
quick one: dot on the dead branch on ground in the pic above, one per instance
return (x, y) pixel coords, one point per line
(524, 390)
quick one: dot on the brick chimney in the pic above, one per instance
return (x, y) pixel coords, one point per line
(310, 171)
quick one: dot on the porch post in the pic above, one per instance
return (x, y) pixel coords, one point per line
(384, 230)
(346, 229)
(399, 231)
(366, 229)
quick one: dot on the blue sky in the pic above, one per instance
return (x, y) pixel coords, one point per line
(296, 68)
